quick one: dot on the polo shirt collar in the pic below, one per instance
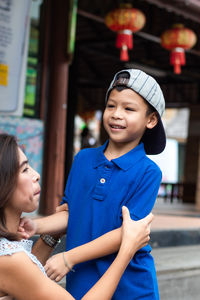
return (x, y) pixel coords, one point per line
(100, 158)
(125, 161)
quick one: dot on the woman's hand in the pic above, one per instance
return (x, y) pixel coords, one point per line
(56, 267)
(135, 234)
(27, 228)
(63, 207)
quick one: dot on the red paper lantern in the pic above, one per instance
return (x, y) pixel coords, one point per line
(177, 40)
(125, 20)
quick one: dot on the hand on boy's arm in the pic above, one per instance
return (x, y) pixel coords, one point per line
(63, 207)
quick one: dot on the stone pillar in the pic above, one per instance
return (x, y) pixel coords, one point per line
(191, 171)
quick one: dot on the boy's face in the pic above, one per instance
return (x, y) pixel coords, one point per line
(125, 118)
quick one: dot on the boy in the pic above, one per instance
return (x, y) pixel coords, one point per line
(118, 173)
(104, 179)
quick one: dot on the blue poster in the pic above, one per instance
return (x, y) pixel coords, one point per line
(29, 133)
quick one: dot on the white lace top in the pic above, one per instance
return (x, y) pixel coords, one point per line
(10, 247)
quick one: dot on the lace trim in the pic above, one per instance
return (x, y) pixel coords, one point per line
(10, 247)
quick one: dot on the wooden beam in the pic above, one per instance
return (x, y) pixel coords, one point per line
(185, 11)
(142, 34)
(56, 104)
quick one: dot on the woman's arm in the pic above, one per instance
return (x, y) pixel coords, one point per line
(22, 279)
(42, 251)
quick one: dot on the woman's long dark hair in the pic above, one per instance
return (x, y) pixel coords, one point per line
(9, 169)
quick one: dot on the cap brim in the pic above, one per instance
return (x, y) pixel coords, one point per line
(154, 139)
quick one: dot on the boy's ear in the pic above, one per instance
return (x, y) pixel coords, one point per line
(152, 120)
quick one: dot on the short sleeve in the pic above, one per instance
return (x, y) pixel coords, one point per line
(67, 191)
(141, 202)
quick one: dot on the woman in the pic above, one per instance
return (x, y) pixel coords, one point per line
(21, 274)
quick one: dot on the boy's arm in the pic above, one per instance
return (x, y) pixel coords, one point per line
(104, 245)
(58, 266)
(53, 224)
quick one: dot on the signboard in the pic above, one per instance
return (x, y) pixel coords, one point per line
(14, 31)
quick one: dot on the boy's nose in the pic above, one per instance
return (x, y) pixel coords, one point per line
(117, 114)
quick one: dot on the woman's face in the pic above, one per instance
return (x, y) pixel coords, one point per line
(26, 195)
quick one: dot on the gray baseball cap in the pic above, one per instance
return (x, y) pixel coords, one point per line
(146, 86)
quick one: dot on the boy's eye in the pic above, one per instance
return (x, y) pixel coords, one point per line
(129, 108)
(110, 105)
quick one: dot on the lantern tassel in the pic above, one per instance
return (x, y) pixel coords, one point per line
(177, 59)
(124, 53)
(177, 69)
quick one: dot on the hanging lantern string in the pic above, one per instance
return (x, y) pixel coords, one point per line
(125, 21)
(177, 40)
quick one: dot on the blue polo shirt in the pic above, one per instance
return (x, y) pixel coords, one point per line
(95, 192)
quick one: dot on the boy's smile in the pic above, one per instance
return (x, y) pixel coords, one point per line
(125, 118)
(116, 127)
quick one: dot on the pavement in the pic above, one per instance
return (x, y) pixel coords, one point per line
(175, 216)
(178, 272)
(175, 224)
(175, 239)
